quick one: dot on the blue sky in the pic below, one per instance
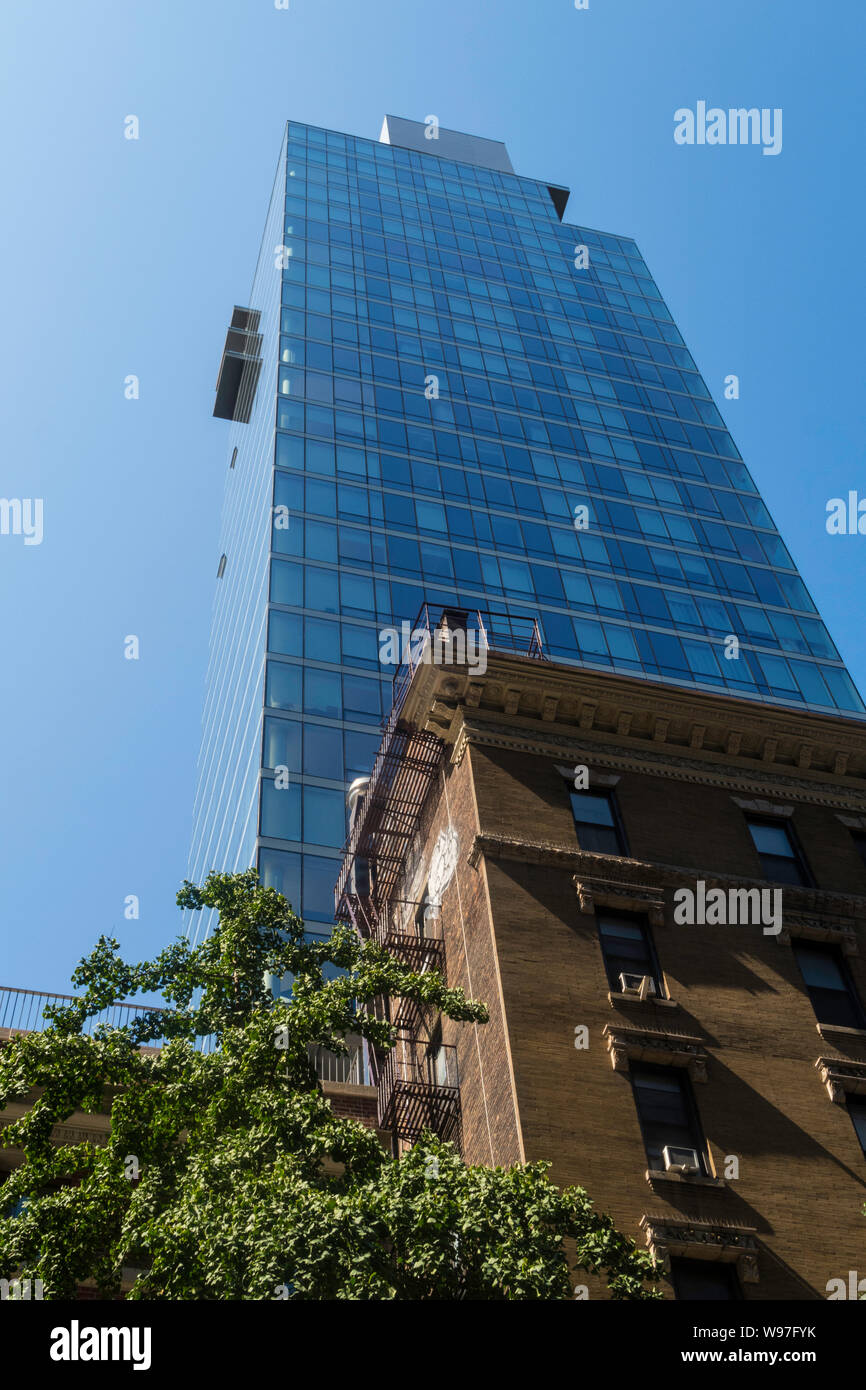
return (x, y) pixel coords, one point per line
(126, 257)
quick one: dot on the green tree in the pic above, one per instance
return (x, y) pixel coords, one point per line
(227, 1175)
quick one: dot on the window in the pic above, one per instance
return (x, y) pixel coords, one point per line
(829, 985)
(694, 1279)
(778, 851)
(667, 1113)
(441, 1063)
(627, 947)
(426, 914)
(597, 822)
(859, 838)
(857, 1111)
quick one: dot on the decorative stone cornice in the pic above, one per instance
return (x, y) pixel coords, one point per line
(755, 782)
(842, 1078)
(841, 1037)
(667, 1049)
(557, 705)
(760, 807)
(593, 893)
(597, 778)
(702, 1240)
(66, 1133)
(812, 912)
(830, 931)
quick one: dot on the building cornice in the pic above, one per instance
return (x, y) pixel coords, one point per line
(608, 880)
(641, 725)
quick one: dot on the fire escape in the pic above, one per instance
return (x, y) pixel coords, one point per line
(416, 1081)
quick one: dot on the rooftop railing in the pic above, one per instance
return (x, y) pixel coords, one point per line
(23, 1011)
(458, 637)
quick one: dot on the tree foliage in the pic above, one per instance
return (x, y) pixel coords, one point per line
(226, 1173)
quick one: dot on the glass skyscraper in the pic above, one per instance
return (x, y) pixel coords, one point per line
(568, 465)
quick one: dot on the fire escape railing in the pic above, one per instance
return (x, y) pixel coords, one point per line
(417, 1083)
(419, 1090)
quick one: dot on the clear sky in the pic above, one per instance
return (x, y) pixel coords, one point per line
(125, 257)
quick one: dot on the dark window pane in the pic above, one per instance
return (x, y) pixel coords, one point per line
(596, 823)
(704, 1279)
(777, 851)
(627, 949)
(588, 806)
(281, 811)
(771, 839)
(829, 986)
(323, 751)
(285, 634)
(361, 750)
(283, 686)
(324, 817)
(320, 876)
(666, 1112)
(282, 744)
(322, 693)
(281, 870)
(857, 1111)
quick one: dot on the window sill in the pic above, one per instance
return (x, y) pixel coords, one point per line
(654, 1175)
(616, 998)
(830, 1030)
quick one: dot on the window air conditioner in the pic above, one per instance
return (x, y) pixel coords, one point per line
(678, 1160)
(641, 985)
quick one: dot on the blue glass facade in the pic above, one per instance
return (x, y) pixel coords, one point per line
(563, 384)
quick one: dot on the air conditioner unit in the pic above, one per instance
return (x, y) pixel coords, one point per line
(641, 985)
(684, 1161)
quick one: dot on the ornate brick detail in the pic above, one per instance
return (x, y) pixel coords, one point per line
(762, 807)
(651, 1045)
(832, 931)
(672, 717)
(600, 892)
(757, 781)
(587, 714)
(842, 1078)
(702, 1240)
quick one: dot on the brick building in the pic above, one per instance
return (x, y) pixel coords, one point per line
(704, 1080)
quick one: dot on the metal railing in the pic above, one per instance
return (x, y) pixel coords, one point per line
(458, 636)
(23, 1010)
(418, 1089)
(349, 1070)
